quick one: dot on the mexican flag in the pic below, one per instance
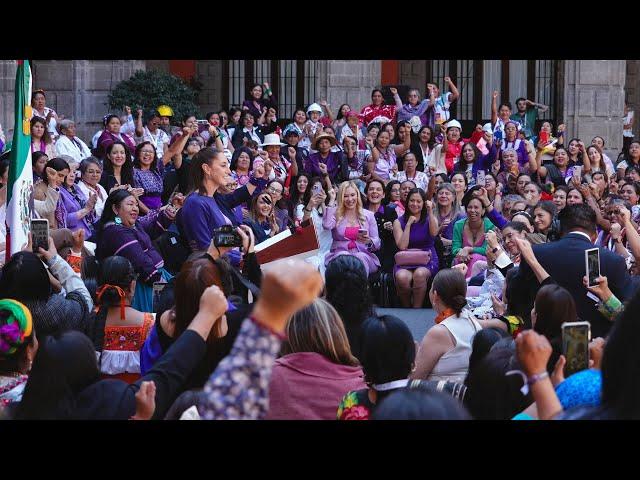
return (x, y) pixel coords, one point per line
(20, 187)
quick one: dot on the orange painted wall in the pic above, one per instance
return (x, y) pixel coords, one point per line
(184, 69)
(390, 72)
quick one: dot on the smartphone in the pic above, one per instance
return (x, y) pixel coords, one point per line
(577, 172)
(497, 135)
(481, 179)
(575, 346)
(317, 188)
(202, 122)
(363, 230)
(40, 233)
(544, 137)
(592, 264)
(158, 287)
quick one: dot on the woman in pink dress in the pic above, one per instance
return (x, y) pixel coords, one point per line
(354, 229)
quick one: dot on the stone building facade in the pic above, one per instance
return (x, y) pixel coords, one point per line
(589, 94)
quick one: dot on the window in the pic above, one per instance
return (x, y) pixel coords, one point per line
(535, 79)
(293, 82)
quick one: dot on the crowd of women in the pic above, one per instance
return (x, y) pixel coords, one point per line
(151, 279)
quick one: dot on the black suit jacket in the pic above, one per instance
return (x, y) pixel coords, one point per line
(564, 261)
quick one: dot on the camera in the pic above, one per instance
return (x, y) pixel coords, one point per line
(226, 236)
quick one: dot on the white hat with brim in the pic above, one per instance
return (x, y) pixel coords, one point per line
(314, 107)
(272, 139)
(487, 127)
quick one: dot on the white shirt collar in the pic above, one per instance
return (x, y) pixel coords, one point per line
(583, 234)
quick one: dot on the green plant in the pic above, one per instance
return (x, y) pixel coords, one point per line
(152, 88)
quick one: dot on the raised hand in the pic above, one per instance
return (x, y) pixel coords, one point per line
(533, 351)
(78, 240)
(145, 401)
(394, 91)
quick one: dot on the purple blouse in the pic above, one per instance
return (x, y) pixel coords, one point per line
(333, 162)
(73, 202)
(151, 181)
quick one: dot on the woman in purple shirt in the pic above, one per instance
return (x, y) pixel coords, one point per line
(121, 232)
(260, 99)
(206, 208)
(354, 229)
(147, 174)
(415, 231)
(80, 210)
(112, 134)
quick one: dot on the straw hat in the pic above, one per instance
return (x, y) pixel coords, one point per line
(324, 136)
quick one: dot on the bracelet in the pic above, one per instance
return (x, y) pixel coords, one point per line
(537, 377)
(308, 210)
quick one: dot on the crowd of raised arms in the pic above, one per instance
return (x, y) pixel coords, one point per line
(139, 310)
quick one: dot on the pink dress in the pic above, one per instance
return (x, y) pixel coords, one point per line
(474, 256)
(344, 239)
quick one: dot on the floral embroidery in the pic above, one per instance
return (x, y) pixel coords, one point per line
(352, 407)
(239, 387)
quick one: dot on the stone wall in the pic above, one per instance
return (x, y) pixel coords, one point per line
(348, 81)
(77, 89)
(594, 101)
(209, 73)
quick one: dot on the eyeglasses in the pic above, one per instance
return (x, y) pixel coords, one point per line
(150, 152)
(273, 190)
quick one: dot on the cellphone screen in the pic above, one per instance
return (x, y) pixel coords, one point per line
(544, 137)
(575, 346)
(316, 188)
(40, 234)
(592, 260)
(481, 180)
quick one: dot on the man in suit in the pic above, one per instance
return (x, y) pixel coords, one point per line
(564, 261)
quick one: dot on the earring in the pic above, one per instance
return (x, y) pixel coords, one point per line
(117, 220)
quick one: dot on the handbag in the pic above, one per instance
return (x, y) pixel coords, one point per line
(412, 257)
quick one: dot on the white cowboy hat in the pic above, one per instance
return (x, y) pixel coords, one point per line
(272, 139)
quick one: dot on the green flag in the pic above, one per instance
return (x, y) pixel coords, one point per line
(20, 187)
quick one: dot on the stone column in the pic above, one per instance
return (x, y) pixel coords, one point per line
(594, 101)
(349, 81)
(632, 91)
(7, 96)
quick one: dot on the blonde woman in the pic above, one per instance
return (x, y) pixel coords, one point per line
(316, 368)
(354, 229)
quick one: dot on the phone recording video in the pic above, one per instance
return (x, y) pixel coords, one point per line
(592, 265)
(575, 346)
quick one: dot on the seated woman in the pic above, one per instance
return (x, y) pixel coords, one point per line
(558, 172)
(447, 212)
(385, 213)
(354, 229)
(46, 194)
(118, 167)
(388, 357)
(460, 183)
(356, 160)
(560, 197)
(445, 349)
(121, 232)
(316, 368)
(377, 111)
(544, 214)
(111, 134)
(472, 160)
(417, 259)
(259, 99)
(91, 171)
(594, 162)
(241, 165)
(392, 196)
(382, 163)
(38, 162)
(41, 138)
(281, 206)
(277, 166)
(147, 175)
(206, 209)
(469, 244)
(324, 162)
(262, 219)
(25, 279)
(424, 148)
(125, 329)
(79, 209)
(300, 195)
(17, 350)
(410, 172)
(247, 130)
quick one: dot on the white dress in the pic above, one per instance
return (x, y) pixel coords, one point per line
(454, 365)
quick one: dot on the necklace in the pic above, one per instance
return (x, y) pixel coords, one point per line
(475, 236)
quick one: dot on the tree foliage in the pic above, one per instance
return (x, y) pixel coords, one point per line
(152, 88)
